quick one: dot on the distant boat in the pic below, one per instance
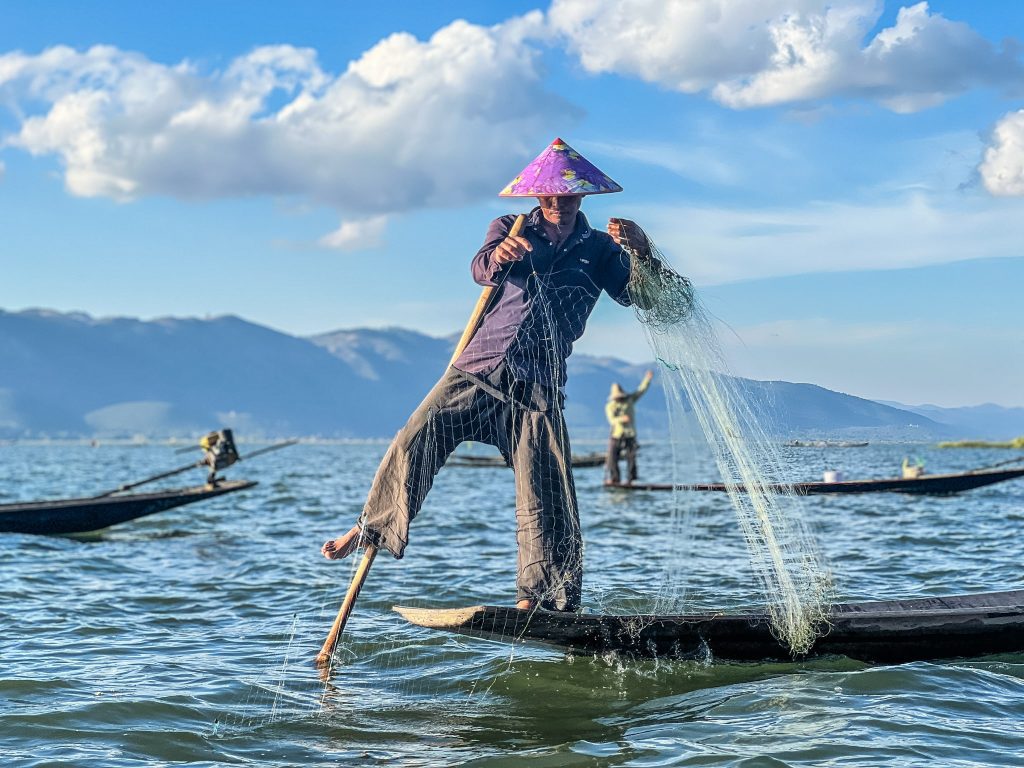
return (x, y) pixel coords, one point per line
(935, 485)
(886, 631)
(825, 444)
(578, 460)
(85, 515)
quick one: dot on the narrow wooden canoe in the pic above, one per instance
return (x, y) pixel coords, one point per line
(64, 516)
(889, 631)
(934, 485)
(825, 444)
(578, 461)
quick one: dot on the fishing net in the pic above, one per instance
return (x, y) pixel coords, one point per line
(782, 549)
(509, 395)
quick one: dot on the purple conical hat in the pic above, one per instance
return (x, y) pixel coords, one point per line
(559, 170)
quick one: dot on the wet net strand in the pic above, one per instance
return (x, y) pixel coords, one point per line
(780, 544)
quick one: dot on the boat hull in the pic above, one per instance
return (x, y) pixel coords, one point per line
(579, 461)
(927, 485)
(68, 516)
(891, 631)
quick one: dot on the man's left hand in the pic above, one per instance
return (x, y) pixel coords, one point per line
(627, 234)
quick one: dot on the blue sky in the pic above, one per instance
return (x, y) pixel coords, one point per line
(842, 179)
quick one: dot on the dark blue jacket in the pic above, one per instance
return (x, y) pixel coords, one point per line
(542, 303)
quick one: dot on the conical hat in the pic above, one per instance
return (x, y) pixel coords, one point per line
(616, 392)
(559, 170)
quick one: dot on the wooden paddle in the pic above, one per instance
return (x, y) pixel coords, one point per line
(324, 657)
(485, 298)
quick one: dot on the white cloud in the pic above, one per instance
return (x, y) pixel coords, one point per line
(720, 245)
(1002, 170)
(409, 124)
(356, 234)
(754, 53)
(696, 163)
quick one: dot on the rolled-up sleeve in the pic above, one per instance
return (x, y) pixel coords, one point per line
(485, 270)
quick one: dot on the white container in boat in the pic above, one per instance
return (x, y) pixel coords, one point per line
(833, 476)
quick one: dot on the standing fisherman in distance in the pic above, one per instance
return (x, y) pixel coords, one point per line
(621, 413)
(505, 387)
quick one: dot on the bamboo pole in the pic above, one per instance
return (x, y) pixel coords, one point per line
(324, 657)
(483, 301)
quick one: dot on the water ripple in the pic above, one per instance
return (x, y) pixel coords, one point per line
(188, 636)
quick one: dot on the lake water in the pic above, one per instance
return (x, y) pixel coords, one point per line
(188, 636)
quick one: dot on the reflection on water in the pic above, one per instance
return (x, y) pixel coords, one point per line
(189, 635)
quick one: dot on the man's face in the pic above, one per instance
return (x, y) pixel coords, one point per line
(560, 209)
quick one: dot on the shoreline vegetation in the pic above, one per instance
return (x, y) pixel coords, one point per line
(1016, 444)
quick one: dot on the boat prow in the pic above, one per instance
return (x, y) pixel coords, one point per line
(439, 618)
(888, 631)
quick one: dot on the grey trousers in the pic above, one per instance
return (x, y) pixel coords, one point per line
(528, 428)
(621, 448)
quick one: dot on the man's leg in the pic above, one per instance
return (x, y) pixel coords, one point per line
(631, 451)
(547, 522)
(611, 464)
(453, 411)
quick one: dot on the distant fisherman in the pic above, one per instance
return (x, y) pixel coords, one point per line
(506, 387)
(219, 452)
(621, 415)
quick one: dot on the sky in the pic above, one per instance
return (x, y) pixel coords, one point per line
(841, 179)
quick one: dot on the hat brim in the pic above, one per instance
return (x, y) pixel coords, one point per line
(537, 193)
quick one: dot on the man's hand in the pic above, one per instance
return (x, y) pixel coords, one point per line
(649, 375)
(511, 249)
(627, 234)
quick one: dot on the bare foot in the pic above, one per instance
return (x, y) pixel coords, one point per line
(343, 546)
(525, 604)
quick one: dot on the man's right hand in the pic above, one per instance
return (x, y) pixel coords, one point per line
(511, 249)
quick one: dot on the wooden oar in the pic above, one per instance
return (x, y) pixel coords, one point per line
(324, 657)
(327, 651)
(485, 298)
(186, 468)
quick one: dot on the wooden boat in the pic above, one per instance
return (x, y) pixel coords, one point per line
(578, 460)
(889, 631)
(64, 516)
(825, 444)
(934, 485)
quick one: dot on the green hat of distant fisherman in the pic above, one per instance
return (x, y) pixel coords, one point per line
(542, 273)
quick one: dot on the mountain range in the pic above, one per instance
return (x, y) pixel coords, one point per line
(67, 375)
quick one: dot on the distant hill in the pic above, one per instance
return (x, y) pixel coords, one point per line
(72, 375)
(987, 422)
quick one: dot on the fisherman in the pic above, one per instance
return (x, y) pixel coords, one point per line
(912, 471)
(506, 387)
(622, 418)
(219, 452)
